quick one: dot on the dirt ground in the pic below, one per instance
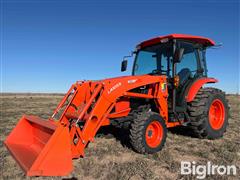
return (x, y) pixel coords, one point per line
(110, 157)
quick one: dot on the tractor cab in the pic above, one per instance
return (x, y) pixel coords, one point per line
(158, 55)
(180, 57)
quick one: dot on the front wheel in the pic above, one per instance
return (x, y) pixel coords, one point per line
(148, 133)
(209, 113)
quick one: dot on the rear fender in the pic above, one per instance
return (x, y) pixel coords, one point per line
(193, 90)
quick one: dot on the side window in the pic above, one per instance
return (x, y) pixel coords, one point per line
(202, 53)
(164, 65)
(189, 60)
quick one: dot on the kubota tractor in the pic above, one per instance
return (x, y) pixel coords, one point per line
(165, 90)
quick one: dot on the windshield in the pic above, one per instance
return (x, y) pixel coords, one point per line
(153, 60)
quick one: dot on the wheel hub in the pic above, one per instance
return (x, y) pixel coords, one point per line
(150, 133)
(216, 114)
(154, 134)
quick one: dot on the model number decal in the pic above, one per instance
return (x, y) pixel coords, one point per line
(114, 87)
(131, 81)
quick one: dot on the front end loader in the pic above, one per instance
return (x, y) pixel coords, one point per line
(165, 90)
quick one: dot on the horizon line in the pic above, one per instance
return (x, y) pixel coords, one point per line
(62, 93)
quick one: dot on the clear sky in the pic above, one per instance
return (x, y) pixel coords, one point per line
(46, 45)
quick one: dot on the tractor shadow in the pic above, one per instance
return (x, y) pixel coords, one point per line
(120, 134)
(182, 130)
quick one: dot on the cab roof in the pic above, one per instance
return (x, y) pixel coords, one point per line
(160, 39)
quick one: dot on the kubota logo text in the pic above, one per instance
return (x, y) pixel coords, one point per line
(114, 87)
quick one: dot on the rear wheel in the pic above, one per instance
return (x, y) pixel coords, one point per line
(208, 113)
(148, 133)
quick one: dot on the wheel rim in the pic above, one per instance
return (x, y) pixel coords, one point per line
(216, 114)
(154, 134)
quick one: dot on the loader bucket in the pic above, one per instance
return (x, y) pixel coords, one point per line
(41, 147)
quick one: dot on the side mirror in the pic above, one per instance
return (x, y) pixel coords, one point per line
(124, 65)
(178, 55)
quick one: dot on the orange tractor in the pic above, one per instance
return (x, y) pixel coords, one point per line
(165, 90)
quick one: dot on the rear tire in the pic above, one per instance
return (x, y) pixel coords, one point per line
(208, 113)
(148, 133)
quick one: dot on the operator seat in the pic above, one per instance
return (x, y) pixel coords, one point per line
(184, 75)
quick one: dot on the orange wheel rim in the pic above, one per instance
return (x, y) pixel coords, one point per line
(216, 114)
(154, 134)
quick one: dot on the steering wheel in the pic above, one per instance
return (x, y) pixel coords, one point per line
(155, 71)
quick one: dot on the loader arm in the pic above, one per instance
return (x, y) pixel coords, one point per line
(98, 106)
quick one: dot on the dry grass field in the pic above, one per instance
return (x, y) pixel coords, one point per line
(109, 157)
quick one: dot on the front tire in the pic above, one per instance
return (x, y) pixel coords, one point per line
(208, 113)
(148, 133)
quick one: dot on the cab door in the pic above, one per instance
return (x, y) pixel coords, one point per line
(188, 69)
